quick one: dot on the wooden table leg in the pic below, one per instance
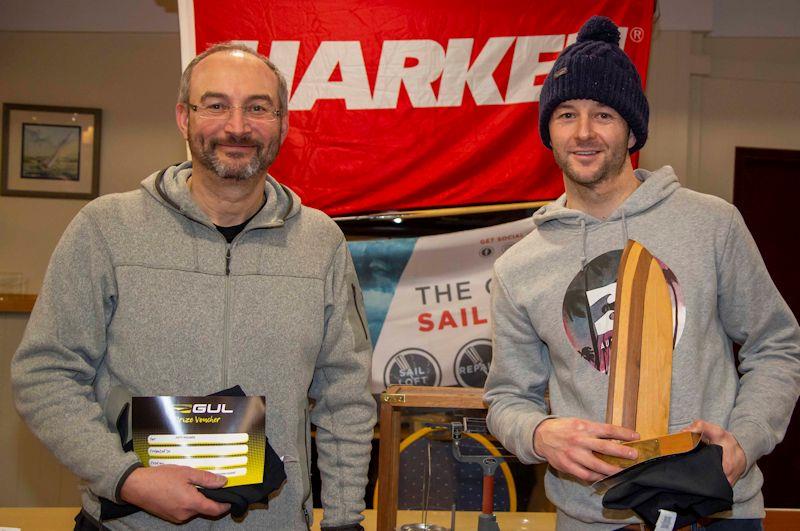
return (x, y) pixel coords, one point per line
(388, 467)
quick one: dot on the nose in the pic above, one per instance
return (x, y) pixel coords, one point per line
(236, 123)
(584, 129)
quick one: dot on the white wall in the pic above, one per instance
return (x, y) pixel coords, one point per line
(133, 78)
(709, 95)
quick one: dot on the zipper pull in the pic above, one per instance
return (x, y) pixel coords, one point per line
(228, 261)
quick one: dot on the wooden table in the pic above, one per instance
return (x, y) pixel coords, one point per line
(61, 518)
(465, 520)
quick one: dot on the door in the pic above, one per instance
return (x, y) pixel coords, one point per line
(766, 190)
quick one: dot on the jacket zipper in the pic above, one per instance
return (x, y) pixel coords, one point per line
(225, 347)
(308, 467)
(226, 337)
(306, 515)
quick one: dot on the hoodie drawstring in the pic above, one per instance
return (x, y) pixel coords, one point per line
(583, 248)
(585, 236)
(624, 230)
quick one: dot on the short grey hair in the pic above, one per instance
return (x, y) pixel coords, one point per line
(186, 77)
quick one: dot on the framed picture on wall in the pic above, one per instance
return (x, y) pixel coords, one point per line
(50, 151)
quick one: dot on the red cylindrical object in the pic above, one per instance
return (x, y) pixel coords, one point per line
(488, 495)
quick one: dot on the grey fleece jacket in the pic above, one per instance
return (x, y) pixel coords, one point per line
(540, 338)
(142, 291)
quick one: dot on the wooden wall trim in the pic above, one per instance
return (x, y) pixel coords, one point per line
(17, 302)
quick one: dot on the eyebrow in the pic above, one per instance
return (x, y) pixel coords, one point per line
(221, 95)
(569, 106)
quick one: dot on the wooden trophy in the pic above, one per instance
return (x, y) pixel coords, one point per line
(641, 359)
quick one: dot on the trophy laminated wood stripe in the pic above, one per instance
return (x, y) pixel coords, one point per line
(624, 364)
(641, 353)
(655, 372)
(617, 363)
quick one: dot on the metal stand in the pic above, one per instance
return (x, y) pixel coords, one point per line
(487, 522)
(489, 463)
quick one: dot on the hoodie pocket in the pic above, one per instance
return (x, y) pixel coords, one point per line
(298, 476)
(748, 486)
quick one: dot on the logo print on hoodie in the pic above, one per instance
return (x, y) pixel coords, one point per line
(588, 311)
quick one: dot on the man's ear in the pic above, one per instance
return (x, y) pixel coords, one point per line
(284, 127)
(631, 139)
(182, 118)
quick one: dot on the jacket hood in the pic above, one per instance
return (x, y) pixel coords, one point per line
(169, 187)
(656, 186)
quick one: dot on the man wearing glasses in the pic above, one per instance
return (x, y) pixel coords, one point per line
(211, 275)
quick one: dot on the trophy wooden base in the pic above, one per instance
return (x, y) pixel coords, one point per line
(676, 443)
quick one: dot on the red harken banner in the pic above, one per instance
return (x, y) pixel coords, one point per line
(407, 104)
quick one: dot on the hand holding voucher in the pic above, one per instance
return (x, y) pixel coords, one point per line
(170, 492)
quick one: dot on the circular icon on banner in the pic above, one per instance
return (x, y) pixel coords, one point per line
(472, 363)
(412, 366)
(486, 251)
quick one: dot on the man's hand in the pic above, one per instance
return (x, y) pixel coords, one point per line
(734, 461)
(568, 443)
(169, 492)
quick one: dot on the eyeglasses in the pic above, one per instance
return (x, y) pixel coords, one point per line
(257, 112)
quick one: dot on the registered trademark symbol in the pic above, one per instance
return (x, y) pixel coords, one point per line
(637, 34)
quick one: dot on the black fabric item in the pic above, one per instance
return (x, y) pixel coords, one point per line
(242, 496)
(239, 497)
(693, 485)
(348, 527)
(236, 390)
(231, 232)
(595, 68)
(84, 522)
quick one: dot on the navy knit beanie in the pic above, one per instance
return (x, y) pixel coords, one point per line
(595, 68)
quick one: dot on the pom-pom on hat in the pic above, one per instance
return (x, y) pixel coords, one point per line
(595, 68)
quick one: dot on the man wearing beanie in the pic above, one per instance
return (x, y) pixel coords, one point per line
(553, 303)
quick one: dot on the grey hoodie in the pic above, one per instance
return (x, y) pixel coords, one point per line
(552, 304)
(143, 292)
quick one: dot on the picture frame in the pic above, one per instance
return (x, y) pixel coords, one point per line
(50, 151)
